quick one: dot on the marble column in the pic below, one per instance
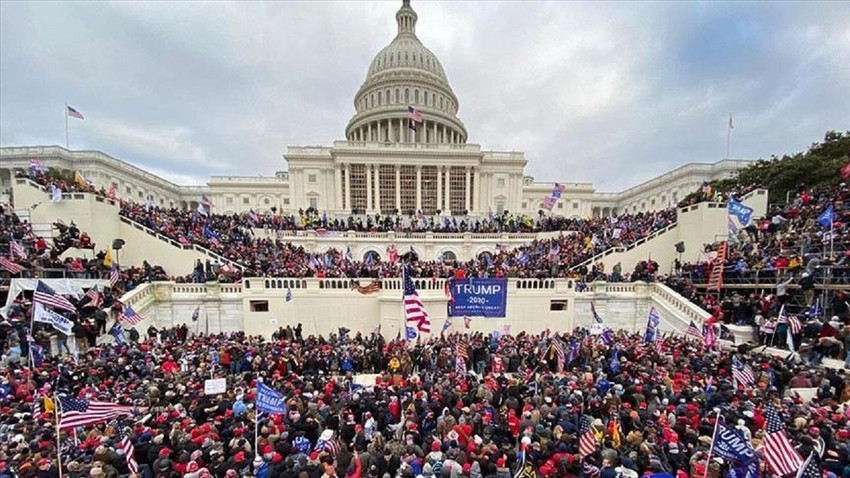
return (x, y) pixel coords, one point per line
(466, 199)
(440, 187)
(398, 188)
(476, 191)
(377, 188)
(347, 188)
(338, 188)
(448, 207)
(418, 187)
(368, 188)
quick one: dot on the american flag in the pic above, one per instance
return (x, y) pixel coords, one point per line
(206, 201)
(37, 165)
(17, 249)
(460, 366)
(693, 331)
(559, 352)
(587, 438)
(782, 457)
(112, 191)
(130, 317)
(10, 266)
(463, 350)
(129, 449)
(414, 114)
(94, 298)
(709, 335)
(47, 296)
(659, 341)
(794, 324)
(742, 373)
(113, 276)
(810, 469)
(372, 288)
(74, 113)
(75, 412)
(414, 310)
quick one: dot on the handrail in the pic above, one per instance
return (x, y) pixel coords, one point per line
(625, 248)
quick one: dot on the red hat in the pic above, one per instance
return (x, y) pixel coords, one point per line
(466, 467)
(239, 457)
(277, 458)
(267, 449)
(164, 452)
(43, 461)
(500, 462)
(435, 446)
(193, 466)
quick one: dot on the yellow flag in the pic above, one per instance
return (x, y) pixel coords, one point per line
(79, 179)
(107, 260)
(48, 405)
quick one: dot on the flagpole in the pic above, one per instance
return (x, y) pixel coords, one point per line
(729, 136)
(713, 437)
(57, 405)
(66, 126)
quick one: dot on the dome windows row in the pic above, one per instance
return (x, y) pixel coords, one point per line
(387, 97)
(410, 59)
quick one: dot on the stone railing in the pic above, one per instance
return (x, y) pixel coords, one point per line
(682, 306)
(626, 247)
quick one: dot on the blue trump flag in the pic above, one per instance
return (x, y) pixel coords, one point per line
(730, 445)
(411, 333)
(615, 361)
(269, 400)
(652, 326)
(740, 210)
(118, 332)
(827, 217)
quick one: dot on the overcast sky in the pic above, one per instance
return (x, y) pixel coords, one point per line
(613, 93)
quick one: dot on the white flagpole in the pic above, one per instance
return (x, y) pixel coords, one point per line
(713, 438)
(66, 126)
(729, 136)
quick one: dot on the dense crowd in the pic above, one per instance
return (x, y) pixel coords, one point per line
(651, 410)
(233, 237)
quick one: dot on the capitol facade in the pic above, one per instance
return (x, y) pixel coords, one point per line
(405, 151)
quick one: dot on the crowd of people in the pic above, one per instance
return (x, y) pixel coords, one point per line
(232, 237)
(512, 407)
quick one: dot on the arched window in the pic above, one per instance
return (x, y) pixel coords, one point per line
(397, 96)
(425, 98)
(388, 97)
(416, 96)
(375, 257)
(380, 99)
(441, 102)
(448, 256)
(406, 95)
(372, 100)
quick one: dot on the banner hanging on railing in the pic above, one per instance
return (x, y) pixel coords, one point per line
(478, 297)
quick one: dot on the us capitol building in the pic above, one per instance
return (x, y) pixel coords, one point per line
(383, 165)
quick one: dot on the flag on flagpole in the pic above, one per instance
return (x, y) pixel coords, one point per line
(743, 373)
(414, 309)
(731, 123)
(288, 294)
(17, 250)
(114, 277)
(73, 113)
(414, 114)
(130, 317)
(75, 412)
(55, 194)
(587, 438)
(45, 295)
(129, 450)
(10, 266)
(693, 331)
(781, 456)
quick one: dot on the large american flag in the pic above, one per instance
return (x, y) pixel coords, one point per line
(44, 294)
(130, 317)
(693, 331)
(17, 249)
(781, 456)
(559, 352)
(113, 276)
(75, 412)
(414, 310)
(462, 350)
(414, 114)
(94, 298)
(129, 449)
(10, 266)
(742, 373)
(587, 438)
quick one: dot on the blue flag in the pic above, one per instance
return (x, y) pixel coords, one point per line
(730, 445)
(269, 400)
(118, 332)
(411, 333)
(608, 337)
(740, 210)
(826, 218)
(615, 361)
(288, 294)
(652, 326)
(37, 351)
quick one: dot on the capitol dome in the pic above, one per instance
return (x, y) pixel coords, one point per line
(402, 75)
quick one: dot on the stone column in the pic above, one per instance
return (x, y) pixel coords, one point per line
(369, 132)
(434, 133)
(400, 130)
(476, 191)
(378, 188)
(347, 206)
(398, 188)
(448, 198)
(368, 188)
(418, 187)
(466, 200)
(440, 187)
(338, 188)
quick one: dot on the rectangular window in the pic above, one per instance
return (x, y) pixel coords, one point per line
(557, 305)
(259, 305)
(314, 203)
(575, 205)
(386, 183)
(311, 178)
(408, 189)
(286, 201)
(141, 194)
(560, 205)
(228, 201)
(500, 182)
(129, 190)
(429, 189)
(524, 205)
(246, 200)
(358, 187)
(500, 207)
(457, 186)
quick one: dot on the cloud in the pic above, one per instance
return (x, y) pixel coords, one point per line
(601, 92)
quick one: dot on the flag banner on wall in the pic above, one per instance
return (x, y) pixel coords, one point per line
(478, 297)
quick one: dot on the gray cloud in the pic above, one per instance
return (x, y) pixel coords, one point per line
(613, 93)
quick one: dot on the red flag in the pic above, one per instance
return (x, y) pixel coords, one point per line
(845, 171)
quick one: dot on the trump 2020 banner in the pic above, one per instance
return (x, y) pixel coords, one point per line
(478, 297)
